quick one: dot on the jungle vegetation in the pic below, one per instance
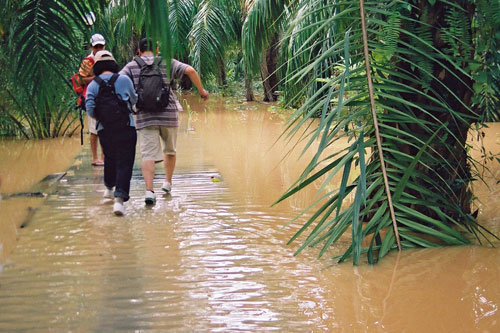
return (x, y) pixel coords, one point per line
(404, 82)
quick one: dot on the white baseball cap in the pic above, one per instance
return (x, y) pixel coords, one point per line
(97, 39)
(103, 56)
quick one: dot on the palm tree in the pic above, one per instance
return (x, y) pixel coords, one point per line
(264, 22)
(416, 78)
(222, 24)
(44, 46)
(215, 27)
(36, 46)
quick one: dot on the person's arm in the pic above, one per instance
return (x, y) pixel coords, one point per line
(130, 91)
(92, 91)
(126, 71)
(125, 88)
(195, 78)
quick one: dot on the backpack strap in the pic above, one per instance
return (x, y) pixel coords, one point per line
(113, 79)
(100, 83)
(98, 80)
(157, 61)
(140, 62)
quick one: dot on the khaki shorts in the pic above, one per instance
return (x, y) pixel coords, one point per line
(151, 145)
(91, 124)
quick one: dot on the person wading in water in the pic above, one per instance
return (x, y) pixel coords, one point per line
(157, 112)
(110, 97)
(97, 43)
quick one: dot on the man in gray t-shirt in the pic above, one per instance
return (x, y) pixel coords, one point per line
(155, 126)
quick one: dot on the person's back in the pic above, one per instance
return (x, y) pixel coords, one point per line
(170, 115)
(110, 97)
(153, 126)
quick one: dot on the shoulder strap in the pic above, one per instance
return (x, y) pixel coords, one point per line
(157, 61)
(113, 79)
(98, 80)
(140, 62)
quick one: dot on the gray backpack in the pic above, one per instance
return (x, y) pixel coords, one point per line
(154, 94)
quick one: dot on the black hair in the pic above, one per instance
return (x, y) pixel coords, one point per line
(105, 65)
(145, 44)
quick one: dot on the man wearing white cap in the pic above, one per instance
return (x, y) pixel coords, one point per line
(97, 43)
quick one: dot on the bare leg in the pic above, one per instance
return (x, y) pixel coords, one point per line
(148, 173)
(169, 167)
(94, 140)
(102, 154)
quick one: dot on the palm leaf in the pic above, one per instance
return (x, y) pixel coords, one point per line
(422, 120)
(212, 31)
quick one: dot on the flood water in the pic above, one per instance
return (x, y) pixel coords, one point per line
(213, 256)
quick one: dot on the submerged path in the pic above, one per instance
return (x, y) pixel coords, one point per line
(213, 256)
(200, 259)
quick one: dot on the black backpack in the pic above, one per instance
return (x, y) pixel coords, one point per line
(153, 93)
(110, 109)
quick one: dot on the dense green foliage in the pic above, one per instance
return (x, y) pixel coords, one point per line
(43, 42)
(432, 67)
(37, 37)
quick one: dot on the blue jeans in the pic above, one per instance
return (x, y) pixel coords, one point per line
(119, 155)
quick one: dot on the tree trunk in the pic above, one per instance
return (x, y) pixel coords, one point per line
(268, 95)
(248, 88)
(133, 47)
(447, 147)
(221, 73)
(268, 72)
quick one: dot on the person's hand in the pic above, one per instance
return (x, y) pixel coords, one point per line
(204, 94)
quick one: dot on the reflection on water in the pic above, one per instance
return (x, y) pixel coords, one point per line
(22, 165)
(488, 190)
(213, 257)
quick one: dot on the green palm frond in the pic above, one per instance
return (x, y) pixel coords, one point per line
(45, 42)
(45, 38)
(182, 13)
(422, 98)
(262, 20)
(213, 30)
(486, 67)
(157, 25)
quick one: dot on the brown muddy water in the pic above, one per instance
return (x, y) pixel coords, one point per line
(213, 255)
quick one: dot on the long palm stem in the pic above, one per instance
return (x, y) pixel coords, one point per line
(375, 121)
